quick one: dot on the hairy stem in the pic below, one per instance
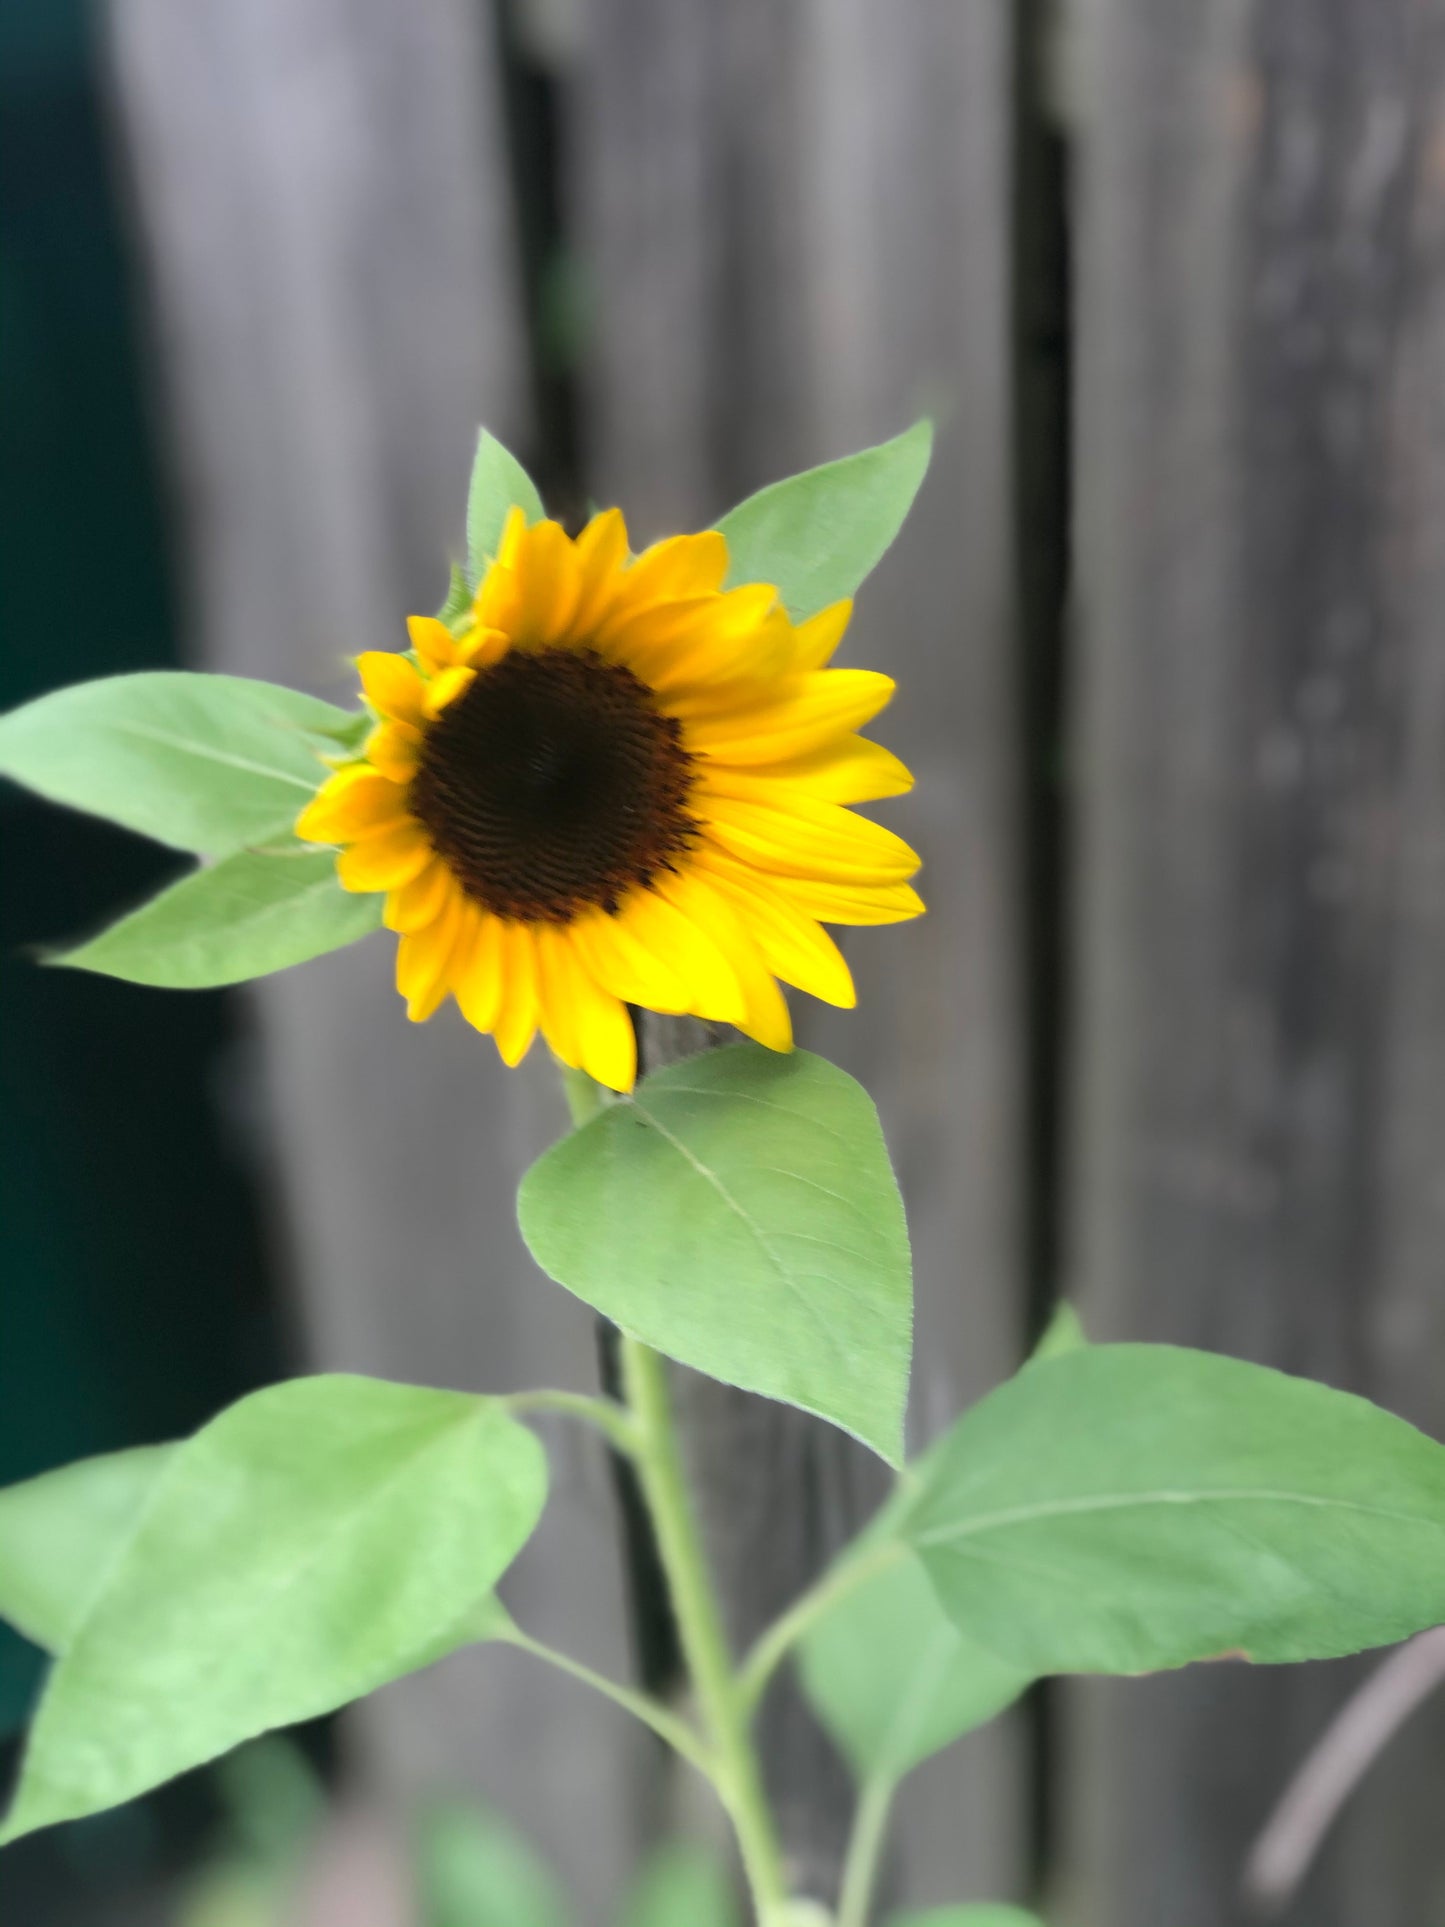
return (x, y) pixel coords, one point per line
(774, 1645)
(736, 1771)
(865, 1850)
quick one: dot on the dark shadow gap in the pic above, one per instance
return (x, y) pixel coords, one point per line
(1040, 344)
(534, 106)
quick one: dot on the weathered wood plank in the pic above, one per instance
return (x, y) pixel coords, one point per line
(323, 201)
(792, 221)
(1260, 466)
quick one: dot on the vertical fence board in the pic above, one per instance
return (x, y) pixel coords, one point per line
(1261, 1085)
(792, 221)
(322, 196)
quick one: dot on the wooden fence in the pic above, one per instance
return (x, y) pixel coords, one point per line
(1172, 278)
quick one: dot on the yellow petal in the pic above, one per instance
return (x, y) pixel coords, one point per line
(645, 633)
(660, 927)
(446, 687)
(794, 946)
(851, 771)
(384, 861)
(855, 903)
(706, 651)
(556, 994)
(683, 565)
(600, 550)
(477, 974)
(394, 749)
(423, 958)
(514, 528)
(765, 1016)
(415, 904)
(349, 803)
(545, 567)
(815, 640)
(393, 688)
(607, 1043)
(498, 600)
(516, 1023)
(626, 967)
(482, 647)
(806, 714)
(433, 642)
(801, 837)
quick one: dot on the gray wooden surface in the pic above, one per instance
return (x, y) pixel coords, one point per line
(791, 221)
(1260, 656)
(327, 227)
(790, 227)
(793, 240)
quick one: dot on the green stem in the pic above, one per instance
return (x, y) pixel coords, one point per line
(865, 1850)
(774, 1645)
(678, 1734)
(736, 1770)
(585, 1096)
(606, 1414)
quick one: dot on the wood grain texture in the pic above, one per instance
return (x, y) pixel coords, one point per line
(1261, 1075)
(326, 219)
(791, 219)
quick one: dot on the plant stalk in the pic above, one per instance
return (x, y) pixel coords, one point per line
(865, 1850)
(677, 1733)
(699, 1622)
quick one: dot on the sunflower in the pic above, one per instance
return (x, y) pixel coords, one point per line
(615, 782)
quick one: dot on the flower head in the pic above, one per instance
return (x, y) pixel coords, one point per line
(613, 782)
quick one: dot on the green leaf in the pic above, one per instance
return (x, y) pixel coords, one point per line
(244, 917)
(204, 763)
(738, 1212)
(894, 1680)
(1063, 1333)
(61, 1532)
(473, 1870)
(313, 1542)
(682, 1885)
(1127, 1507)
(980, 1914)
(819, 534)
(499, 482)
(459, 597)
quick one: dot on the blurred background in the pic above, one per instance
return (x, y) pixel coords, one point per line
(1168, 628)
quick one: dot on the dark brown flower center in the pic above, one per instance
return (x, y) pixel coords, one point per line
(553, 785)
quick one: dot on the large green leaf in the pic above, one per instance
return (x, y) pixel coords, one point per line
(894, 1680)
(204, 763)
(738, 1212)
(1126, 1507)
(499, 482)
(681, 1885)
(243, 917)
(819, 534)
(474, 1870)
(313, 1542)
(61, 1533)
(986, 1913)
